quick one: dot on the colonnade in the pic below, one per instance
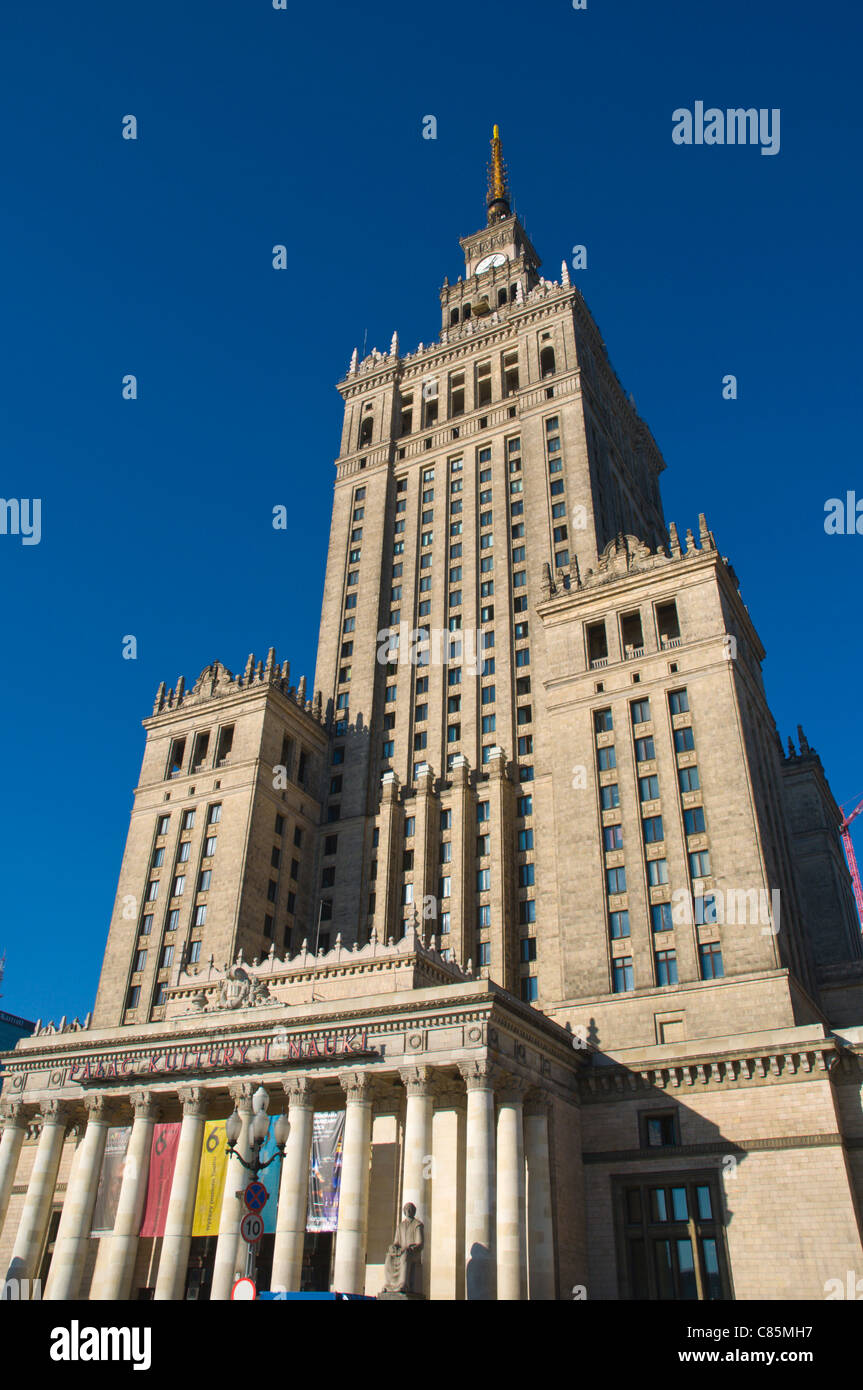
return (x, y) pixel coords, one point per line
(475, 1163)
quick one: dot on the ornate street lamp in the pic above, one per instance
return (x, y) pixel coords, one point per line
(258, 1131)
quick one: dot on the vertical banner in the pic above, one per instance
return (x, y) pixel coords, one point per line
(163, 1157)
(211, 1180)
(326, 1170)
(110, 1178)
(270, 1178)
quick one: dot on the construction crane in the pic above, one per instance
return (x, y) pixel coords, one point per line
(851, 857)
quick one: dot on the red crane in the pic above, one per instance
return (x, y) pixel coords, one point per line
(845, 832)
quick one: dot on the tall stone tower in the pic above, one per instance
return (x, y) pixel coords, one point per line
(221, 846)
(548, 714)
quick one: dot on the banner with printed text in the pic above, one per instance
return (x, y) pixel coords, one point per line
(211, 1180)
(110, 1178)
(326, 1170)
(163, 1157)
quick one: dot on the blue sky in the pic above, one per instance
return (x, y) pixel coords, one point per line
(304, 127)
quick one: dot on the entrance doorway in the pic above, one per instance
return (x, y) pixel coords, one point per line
(317, 1271)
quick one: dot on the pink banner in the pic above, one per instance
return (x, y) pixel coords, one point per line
(163, 1157)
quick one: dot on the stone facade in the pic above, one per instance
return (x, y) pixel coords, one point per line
(554, 921)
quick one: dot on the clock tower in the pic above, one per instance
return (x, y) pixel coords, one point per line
(501, 265)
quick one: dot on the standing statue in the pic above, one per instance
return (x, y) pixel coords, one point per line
(403, 1267)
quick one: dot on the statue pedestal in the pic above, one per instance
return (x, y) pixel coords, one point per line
(401, 1297)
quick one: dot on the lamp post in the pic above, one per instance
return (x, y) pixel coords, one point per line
(259, 1129)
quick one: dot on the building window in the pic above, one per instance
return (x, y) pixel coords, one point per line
(483, 880)
(146, 924)
(658, 1129)
(200, 916)
(483, 916)
(140, 962)
(173, 919)
(194, 952)
(678, 701)
(179, 886)
(210, 846)
(653, 831)
(214, 815)
(699, 864)
(483, 811)
(612, 837)
(162, 825)
(204, 880)
(657, 872)
(606, 758)
(660, 917)
(167, 957)
(184, 852)
(666, 967)
(529, 989)
(693, 820)
(622, 978)
(485, 953)
(683, 740)
(645, 749)
(133, 997)
(618, 924)
(648, 788)
(672, 1238)
(609, 796)
(526, 912)
(616, 879)
(710, 955)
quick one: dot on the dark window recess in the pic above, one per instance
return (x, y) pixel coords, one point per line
(631, 633)
(546, 362)
(177, 754)
(226, 743)
(667, 623)
(597, 644)
(199, 757)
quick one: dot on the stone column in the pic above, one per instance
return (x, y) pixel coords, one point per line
(14, 1129)
(349, 1275)
(33, 1226)
(230, 1260)
(177, 1240)
(417, 1168)
(115, 1262)
(67, 1264)
(479, 1234)
(511, 1233)
(294, 1186)
(540, 1229)
(446, 1249)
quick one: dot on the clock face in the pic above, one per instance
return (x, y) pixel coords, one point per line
(488, 261)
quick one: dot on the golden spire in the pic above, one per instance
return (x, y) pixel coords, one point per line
(498, 183)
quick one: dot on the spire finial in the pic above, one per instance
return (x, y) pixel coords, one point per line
(498, 183)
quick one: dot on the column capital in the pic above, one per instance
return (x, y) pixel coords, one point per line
(357, 1085)
(144, 1105)
(241, 1093)
(479, 1075)
(537, 1103)
(299, 1090)
(512, 1089)
(56, 1111)
(194, 1100)
(12, 1111)
(417, 1081)
(99, 1107)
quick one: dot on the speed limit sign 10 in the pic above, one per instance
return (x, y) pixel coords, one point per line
(251, 1227)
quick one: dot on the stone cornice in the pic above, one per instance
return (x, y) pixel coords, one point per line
(755, 1067)
(737, 1148)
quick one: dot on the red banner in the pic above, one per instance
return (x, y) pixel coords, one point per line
(163, 1157)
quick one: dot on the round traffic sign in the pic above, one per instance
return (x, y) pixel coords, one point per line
(251, 1227)
(256, 1196)
(244, 1291)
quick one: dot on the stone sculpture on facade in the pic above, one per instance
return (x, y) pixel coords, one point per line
(403, 1266)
